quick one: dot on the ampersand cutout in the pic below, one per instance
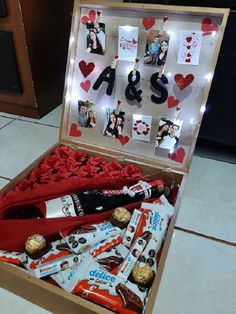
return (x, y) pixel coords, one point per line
(161, 90)
(131, 92)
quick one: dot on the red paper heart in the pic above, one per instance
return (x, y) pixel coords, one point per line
(123, 139)
(178, 156)
(145, 132)
(189, 39)
(86, 69)
(74, 131)
(135, 129)
(182, 82)
(208, 27)
(188, 47)
(85, 85)
(90, 18)
(188, 60)
(165, 18)
(172, 102)
(148, 23)
(189, 55)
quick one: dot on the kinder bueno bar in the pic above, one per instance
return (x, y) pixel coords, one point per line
(132, 258)
(106, 245)
(58, 250)
(80, 241)
(100, 286)
(58, 265)
(16, 258)
(132, 227)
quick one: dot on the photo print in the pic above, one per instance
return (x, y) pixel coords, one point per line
(168, 134)
(141, 127)
(96, 38)
(114, 122)
(86, 114)
(156, 48)
(128, 43)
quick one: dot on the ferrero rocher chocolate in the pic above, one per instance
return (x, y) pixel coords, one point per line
(120, 217)
(36, 246)
(142, 274)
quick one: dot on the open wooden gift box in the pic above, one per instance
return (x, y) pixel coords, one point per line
(186, 97)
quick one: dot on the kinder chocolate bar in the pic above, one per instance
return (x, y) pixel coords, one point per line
(106, 245)
(161, 200)
(80, 242)
(132, 227)
(58, 250)
(100, 286)
(16, 258)
(132, 258)
(68, 278)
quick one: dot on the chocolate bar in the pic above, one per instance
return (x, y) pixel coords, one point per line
(129, 299)
(132, 227)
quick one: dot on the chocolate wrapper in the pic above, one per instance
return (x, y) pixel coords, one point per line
(16, 258)
(100, 286)
(127, 266)
(132, 228)
(106, 245)
(80, 241)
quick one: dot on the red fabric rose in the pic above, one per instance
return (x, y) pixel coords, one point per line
(64, 152)
(112, 166)
(53, 162)
(79, 157)
(131, 171)
(96, 161)
(35, 175)
(87, 171)
(24, 185)
(45, 174)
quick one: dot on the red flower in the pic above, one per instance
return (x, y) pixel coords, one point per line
(64, 152)
(45, 174)
(52, 162)
(24, 185)
(96, 161)
(131, 171)
(79, 157)
(35, 175)
(87, 171)
(112, 166)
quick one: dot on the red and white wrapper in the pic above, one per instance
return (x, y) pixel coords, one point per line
(127, 266)
(86, 237)
(16, 258)
(132, 228)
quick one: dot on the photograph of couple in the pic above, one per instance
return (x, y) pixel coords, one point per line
(114, 122)
(168, 134)
(156, 48)
(86, 114)
(96, 38)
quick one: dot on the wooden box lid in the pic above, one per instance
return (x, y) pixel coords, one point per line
(188, 85)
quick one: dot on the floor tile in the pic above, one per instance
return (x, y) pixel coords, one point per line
(209, 200)
(52, 118)
(199, 277)
(3, 182)
(9, 115)
(21, 143)
(4, 121)
(13, 304)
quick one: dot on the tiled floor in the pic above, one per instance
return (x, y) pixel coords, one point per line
(200, 270)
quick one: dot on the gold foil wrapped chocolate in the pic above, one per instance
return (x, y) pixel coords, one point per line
(36, 246)
(120, 217)
(142, 274)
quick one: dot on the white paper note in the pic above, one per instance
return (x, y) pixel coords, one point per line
(189, 47)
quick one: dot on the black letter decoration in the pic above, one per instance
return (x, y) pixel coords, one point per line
(162, 91)
(131, 92)
(108, 75)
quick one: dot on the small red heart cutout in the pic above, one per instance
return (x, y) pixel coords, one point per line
(74, 131)
(85, 85)
(165, 18)
(188, 60)
(189, 39)
(85, 68)
(145, 132)
(182, 82)
(189, 55)
(148, 23)
(178, 156)
(188, 47)
(84, 19)
(135, 129)
(172, 102)
(123, 139)
(208, 27)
